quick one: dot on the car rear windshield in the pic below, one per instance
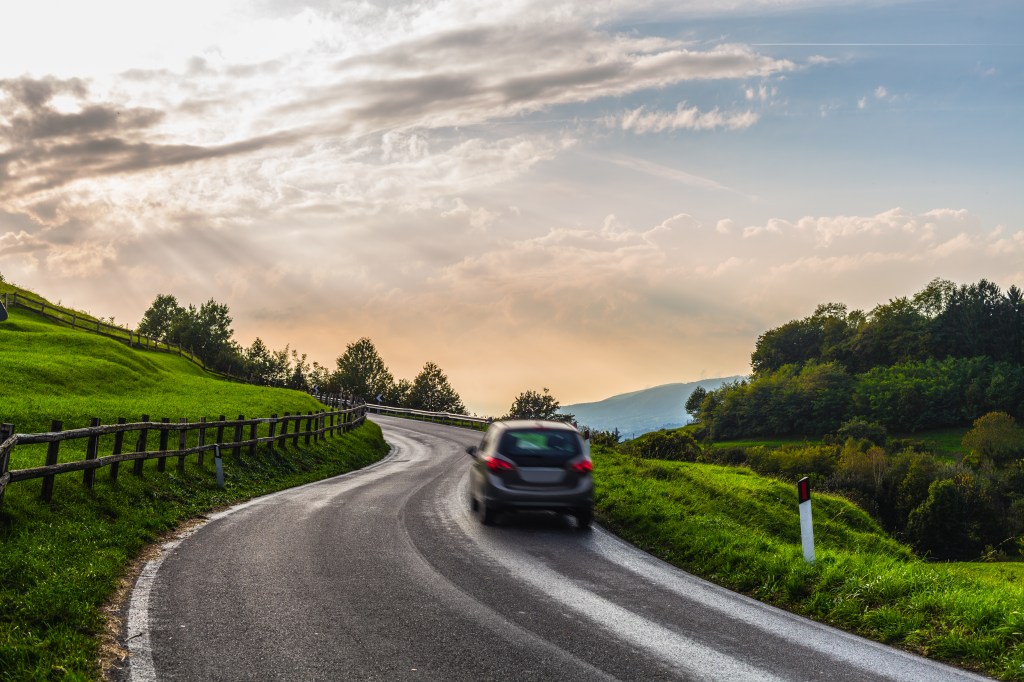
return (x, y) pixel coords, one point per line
(539, 447)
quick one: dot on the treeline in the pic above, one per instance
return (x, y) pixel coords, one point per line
(943, 357)
(360, 372)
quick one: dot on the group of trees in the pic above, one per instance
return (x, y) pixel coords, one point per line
(206, 332)
(360, 370)
(941, 321)
(943, 357)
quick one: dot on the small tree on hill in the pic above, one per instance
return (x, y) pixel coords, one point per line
(694, 401)
(161, 317)
(533, 405)
(362, 372)
(995, 437)
(431, 391)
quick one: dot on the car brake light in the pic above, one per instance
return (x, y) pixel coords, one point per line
(582, 466)
(495, 464)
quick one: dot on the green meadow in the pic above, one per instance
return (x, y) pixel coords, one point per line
(742, 531)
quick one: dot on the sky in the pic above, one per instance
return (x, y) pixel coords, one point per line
(589, 197)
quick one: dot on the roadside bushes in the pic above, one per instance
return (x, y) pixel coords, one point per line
(673, 445)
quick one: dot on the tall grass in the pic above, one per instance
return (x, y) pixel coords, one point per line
(742, 531)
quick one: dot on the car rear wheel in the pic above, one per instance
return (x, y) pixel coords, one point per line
(485, 513)
(584, 518)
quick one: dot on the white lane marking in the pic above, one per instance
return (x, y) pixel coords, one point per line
(864, 654)
(140, 650)
(699, 662)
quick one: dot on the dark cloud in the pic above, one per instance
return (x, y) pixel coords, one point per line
(48, 148)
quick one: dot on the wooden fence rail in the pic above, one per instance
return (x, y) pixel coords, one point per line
(318, 426)
(448, 418)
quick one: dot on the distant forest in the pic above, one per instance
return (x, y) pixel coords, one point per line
(943, 357)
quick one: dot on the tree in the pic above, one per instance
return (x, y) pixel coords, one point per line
(693, 402)
(533, 405)
(205, 331)
(431, 391)
(299, 372)
(995, 437)
(362, 372)
(259, 363)
(161, 317)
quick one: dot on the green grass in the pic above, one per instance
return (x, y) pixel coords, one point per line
(61, 561)
(742, 531)
(945, 443)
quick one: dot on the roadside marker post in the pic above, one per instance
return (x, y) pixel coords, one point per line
(803, 488)
(220, 466)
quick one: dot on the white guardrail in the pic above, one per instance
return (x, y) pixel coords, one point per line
(463, 420)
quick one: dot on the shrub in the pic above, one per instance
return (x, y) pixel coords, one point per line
(794, 461)
(862, 429)
(673, 445)
(942, 525)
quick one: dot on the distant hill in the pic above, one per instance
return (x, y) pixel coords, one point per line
(642, 411)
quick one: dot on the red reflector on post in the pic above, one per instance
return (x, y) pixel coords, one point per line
(803, 488)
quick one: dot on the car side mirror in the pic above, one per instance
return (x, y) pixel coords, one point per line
(471, 451)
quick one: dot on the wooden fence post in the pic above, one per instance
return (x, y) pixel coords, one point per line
(92, 451)
(140, 446)
(220, 430)
(273, 428)
(161, 462)
(52, 450)
(252, 437)
(182, 444)
(284, 430)
(295, 431)
(118, 446)
(6, 431)
(309, 427)
(237, 450)
(202, 439)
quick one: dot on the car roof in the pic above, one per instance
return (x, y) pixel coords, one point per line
(535, 424)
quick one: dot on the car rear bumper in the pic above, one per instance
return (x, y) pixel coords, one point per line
(497, 495)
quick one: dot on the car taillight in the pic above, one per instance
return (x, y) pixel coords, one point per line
(497, 465)
(582, 466)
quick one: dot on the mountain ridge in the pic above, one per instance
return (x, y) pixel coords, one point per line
(638, 412)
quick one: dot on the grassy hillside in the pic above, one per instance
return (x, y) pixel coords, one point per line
(49, 371)
(742, 531)
(61, 561)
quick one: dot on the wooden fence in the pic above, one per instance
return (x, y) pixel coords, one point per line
(226, 435)
(88, 323)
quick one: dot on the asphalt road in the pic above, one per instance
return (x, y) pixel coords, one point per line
(383, 574)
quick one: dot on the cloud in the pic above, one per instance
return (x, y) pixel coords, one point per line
(642, 121)
(20, 243)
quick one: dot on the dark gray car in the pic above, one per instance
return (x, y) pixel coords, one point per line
(536, 465)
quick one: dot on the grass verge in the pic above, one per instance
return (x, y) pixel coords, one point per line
(742, 531)
(61, 561)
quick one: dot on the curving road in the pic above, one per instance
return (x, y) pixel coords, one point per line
(383, 574)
